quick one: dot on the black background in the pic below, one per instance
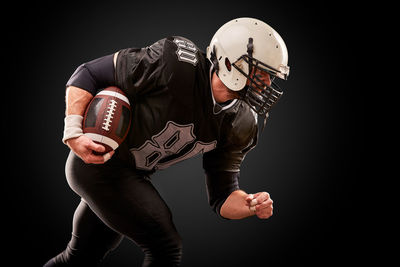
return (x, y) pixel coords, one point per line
(307, 158)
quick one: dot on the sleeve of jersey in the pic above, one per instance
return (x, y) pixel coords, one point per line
(94, 75)
(219, 186)
(238, 137)
(138, 70)
(222, 165)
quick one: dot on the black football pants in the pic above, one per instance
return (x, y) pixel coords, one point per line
(117, 201)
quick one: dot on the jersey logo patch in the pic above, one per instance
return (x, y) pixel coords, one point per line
(172, 140)
(186, 51)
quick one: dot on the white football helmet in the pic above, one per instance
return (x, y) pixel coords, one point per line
(249, 44)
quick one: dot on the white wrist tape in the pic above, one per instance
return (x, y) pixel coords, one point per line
(72, 127)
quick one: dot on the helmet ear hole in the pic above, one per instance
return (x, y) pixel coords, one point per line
(228, 64)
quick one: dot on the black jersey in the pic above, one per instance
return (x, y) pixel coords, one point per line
(174, 118)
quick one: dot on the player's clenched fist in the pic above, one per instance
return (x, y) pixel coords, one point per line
(261, 204)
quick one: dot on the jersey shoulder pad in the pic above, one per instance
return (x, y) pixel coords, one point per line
(240, 125)
(184, 50)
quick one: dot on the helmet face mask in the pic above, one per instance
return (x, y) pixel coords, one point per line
(242, 51)
(259, 95)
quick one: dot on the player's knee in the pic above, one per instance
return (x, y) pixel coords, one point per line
(172, 249)
(175, 249)
(174, 246)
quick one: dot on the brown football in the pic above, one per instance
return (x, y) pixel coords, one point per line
(107, 118)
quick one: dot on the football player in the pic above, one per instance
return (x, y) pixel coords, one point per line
(184, 103)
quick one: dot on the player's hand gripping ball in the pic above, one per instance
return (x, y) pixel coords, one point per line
(108, 118)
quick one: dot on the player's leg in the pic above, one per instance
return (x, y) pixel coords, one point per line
(91, 240)
(127, 202)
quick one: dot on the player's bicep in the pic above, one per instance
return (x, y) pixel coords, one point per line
(94, 75)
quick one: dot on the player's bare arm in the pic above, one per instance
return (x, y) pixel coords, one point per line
(81, 88)
(77, 100)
